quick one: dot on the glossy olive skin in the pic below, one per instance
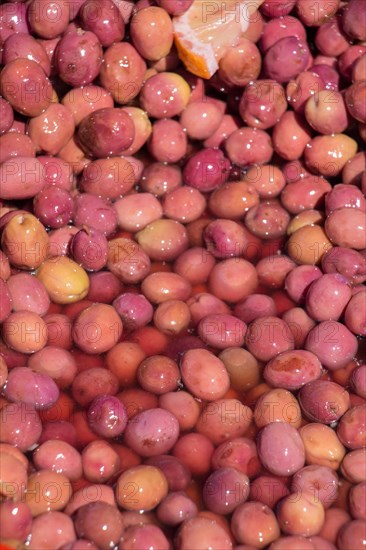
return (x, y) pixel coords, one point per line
(106, 132)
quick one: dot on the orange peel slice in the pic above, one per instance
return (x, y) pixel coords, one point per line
(208, 29)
